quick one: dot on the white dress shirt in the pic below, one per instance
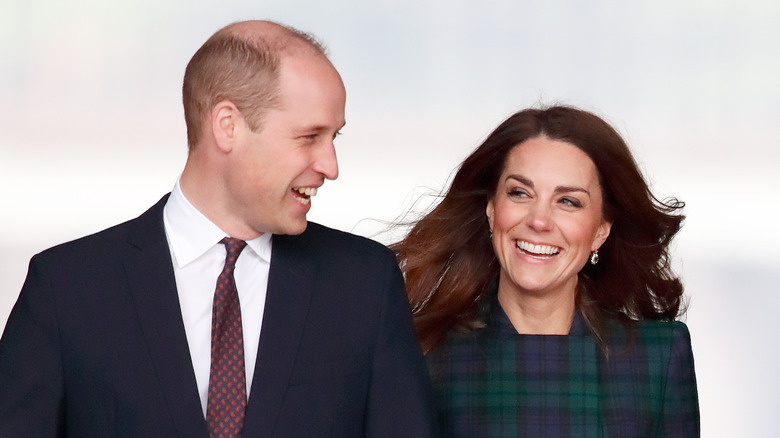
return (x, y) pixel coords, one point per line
(198, 259)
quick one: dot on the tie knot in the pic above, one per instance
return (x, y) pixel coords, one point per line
(234, 248)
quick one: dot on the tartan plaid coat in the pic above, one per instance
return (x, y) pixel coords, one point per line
(493, 382)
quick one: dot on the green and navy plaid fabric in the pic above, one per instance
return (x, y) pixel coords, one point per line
(495, 383)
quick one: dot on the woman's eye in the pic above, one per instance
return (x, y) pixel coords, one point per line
(571, 202)
(517, 193)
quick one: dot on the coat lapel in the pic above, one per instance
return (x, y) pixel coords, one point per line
(153, 286)
(290, 288)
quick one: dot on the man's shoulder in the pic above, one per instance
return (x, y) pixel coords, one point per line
(337, 240)
(110, 238)
(339, 250)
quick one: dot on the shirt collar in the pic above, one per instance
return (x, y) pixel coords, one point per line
(191, 234)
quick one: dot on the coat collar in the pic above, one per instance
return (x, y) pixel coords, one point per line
(152, 284)
(498, 321)
(290, 289)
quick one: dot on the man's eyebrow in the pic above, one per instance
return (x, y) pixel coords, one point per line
(320, 128)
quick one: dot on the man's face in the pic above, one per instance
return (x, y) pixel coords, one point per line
(276, 171)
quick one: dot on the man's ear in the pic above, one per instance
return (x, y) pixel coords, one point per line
(226, 121)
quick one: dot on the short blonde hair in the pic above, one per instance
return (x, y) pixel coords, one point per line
(242, 70)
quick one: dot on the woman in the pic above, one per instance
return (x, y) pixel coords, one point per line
(542, 290)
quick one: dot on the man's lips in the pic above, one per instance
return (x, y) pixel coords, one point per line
(304, 194)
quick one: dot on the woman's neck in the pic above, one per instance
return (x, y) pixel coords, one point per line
(544, 314)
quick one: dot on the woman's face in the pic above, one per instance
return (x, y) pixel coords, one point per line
(546, 217)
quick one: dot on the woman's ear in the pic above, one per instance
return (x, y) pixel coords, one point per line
(601, 234)
(489, 212)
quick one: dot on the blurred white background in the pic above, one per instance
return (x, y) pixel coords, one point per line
(92, 132)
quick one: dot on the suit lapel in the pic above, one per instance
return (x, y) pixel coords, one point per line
(152, 284)
(290, 288)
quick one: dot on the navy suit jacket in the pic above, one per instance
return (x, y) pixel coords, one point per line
(95, 345)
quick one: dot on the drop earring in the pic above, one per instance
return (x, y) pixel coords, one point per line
(594, 257)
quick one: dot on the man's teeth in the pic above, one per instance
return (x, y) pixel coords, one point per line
(537, 249)
(308, 191)
(306, 194)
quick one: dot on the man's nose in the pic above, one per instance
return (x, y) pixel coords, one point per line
(325, 162)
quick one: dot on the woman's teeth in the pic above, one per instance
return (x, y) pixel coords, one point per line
(537, 250)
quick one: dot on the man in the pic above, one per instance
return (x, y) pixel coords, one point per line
(220, 311)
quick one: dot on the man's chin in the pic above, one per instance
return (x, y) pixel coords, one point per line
(294, 227)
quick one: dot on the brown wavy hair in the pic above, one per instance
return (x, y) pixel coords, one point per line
(448, 259)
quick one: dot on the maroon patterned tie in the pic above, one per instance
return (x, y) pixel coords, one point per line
(227, 380)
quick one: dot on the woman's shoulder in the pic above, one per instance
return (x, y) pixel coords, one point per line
(458, 340)
(660, 330)
(650, 335)
(457, 356)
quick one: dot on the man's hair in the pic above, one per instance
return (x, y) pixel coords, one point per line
(240, 69)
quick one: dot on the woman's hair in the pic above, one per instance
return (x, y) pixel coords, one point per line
(448, 258)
